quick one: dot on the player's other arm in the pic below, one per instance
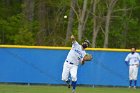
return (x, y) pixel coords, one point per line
(139, 60)
(127, 63)
(87, 57)
(127, 60)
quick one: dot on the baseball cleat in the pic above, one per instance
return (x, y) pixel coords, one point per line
(73, 91)
(134, 87)
(68, 85)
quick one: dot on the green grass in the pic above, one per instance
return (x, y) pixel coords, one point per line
(5, 88)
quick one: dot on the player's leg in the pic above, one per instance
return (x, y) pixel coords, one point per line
(130, 75)
(135, 84)
(135, 74)
(73, 72)
(65, 73)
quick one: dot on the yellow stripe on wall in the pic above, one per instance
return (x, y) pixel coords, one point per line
(35, 47)
(64, 48)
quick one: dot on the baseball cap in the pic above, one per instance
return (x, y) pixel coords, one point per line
(87, 41)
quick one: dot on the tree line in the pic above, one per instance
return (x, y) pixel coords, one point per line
(105, 23)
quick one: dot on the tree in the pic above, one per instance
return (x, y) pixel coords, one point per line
(41, 15)
(110, 6)
(96, 23)
(107, 23)
(82, 14)
(71, 19)
(28, 9)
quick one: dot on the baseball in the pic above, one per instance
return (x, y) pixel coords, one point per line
(65, 16)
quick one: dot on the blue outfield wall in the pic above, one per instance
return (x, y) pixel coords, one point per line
(26, 65)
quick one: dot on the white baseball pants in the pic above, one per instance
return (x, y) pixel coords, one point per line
(133, 72)
(69, 69)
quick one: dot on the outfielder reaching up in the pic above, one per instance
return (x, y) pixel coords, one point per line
(75, 56)
(132, 60)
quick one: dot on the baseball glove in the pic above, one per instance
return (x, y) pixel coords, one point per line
(87, 57)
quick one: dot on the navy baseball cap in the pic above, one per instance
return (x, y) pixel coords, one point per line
(87, 41)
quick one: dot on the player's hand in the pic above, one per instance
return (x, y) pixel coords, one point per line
(72, 38)
(83, 62)
(137, 65)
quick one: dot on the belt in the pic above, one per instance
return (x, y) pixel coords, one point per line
(69, 62)
(133, 64)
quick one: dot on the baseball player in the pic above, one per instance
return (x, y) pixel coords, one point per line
(75, 56)
(132, 60)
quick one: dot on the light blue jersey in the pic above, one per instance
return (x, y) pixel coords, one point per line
(76, 54)
(133, 58)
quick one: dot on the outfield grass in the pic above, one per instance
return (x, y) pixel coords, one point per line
(61, 89)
